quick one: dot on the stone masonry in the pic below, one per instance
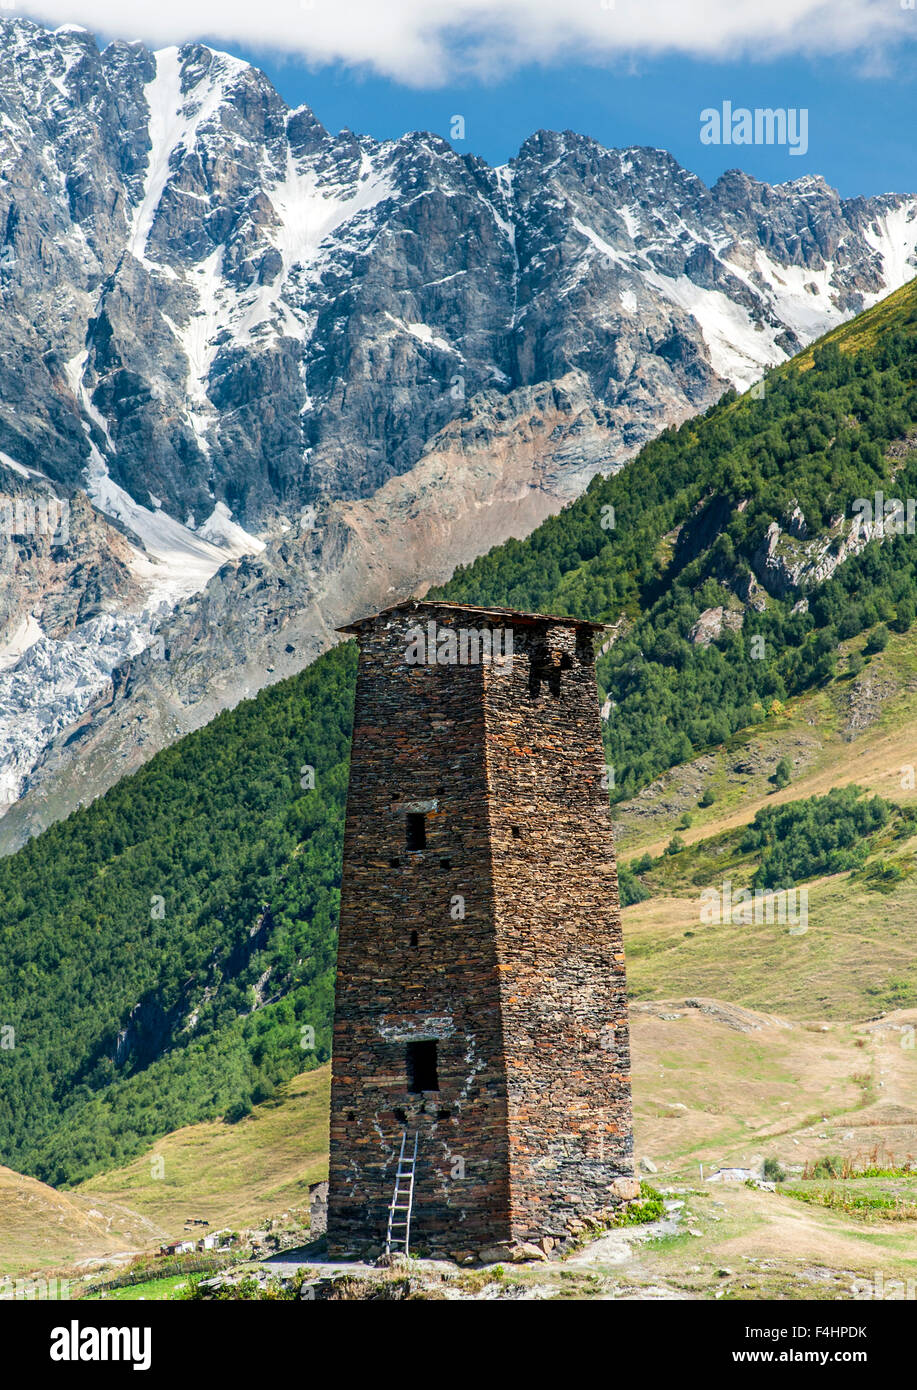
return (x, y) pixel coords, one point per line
(480, 999)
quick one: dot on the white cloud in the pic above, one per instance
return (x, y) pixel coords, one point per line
(426, 42)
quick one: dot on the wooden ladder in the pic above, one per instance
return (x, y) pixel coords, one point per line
(399, 1213)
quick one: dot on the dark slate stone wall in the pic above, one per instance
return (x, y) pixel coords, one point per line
(517, 971)
(418, 738)
(560, 952)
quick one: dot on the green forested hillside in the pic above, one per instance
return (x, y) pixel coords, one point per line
(208, 871)
(689, 514)
(191, 912)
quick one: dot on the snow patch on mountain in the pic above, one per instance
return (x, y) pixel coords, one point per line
(13, 465)
(175, 117)
(222, 531)
(602, 245)
(424, 334)
(18, 643)
(740, 348)
(308, 212)
(175, 561)
(892, 235)
(51, 683)
(47, 683)
(74, 371)
(801, 297)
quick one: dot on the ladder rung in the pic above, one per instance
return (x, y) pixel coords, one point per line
(399, 1226)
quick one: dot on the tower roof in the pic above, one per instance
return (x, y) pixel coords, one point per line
(513, 615)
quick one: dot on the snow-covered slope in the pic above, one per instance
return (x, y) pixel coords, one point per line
(248, 310)
(215, 314)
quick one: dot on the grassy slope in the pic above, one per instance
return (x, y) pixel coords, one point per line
(231, 1175)
(858, 955)
(813, 730)
(856, 959)
(42, 1229)
(712, 1085)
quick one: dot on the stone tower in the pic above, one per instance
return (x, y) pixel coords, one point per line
(480, 999)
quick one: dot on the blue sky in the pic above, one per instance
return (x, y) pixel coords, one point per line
(861, 128)
(623, 71)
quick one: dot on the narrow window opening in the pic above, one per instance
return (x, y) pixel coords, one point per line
(416, 830)
(395, 863)
(445, 863)
(400, 1116)
(540, 676)
(517, 832)
(545, 670)
(422, 1067)
(413, 938)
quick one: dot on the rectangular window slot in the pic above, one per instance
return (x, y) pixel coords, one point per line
(544, 678)
(395, 863)
(517, 832)
(546, 674)
(445, 863)
(416, 825)
(422, 1068)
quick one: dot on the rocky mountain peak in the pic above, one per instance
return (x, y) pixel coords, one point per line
(216, 314)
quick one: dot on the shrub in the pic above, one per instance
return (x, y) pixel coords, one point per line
(878, 639)
(630, 889)
(905, 615)
(773, 1172)
(830, 1167)
(823, 834)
